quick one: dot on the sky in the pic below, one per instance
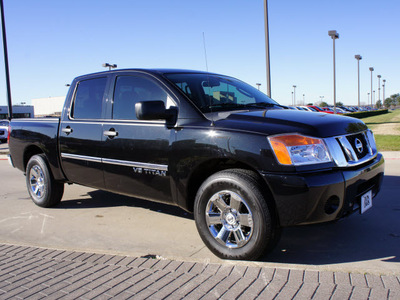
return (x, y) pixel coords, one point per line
(51, 42)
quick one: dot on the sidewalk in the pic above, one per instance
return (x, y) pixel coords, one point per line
(35, 273)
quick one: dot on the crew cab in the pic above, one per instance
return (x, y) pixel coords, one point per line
(211, 144)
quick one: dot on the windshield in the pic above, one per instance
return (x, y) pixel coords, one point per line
(4, 123)
(212, 93)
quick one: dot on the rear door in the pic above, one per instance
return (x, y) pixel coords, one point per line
(81, 132)
(136, 153)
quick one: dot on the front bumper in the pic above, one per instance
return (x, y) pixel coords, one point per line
(318, 197)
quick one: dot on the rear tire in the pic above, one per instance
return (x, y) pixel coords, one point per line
(234, 215)
(43, 189)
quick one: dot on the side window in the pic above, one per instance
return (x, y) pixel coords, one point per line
(89, 98)
(132, 89)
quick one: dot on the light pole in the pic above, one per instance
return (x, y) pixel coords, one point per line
(321, 97)
(334, 35)
(292, 100)
(109, 66)
(258, 85)
(379, 87)
(372, 70)
(267, 48)
(374, 99)
(304, 97)
(383, 85)
(294, 95)
(358, 57)
(368, 98)
(8, 85)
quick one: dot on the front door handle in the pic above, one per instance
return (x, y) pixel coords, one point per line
(67, 130)
(111, 133)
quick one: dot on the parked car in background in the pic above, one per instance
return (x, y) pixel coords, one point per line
(308, 108)
(327, 110)
(316, 108)
(4, 130)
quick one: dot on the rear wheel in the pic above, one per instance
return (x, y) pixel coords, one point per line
(42, 187)
(233, 216)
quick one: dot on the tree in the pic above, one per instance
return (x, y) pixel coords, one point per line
(339, 103)
(379, 104)
(323, 104)
(388, 102)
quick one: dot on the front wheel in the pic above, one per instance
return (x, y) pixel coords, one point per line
(42, 187)
(234, 216)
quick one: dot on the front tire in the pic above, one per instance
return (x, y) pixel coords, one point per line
(234, 215)
(43, 189)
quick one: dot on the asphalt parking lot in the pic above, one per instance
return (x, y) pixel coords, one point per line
(93, 221)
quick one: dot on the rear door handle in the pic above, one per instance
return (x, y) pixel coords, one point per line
(67, 130)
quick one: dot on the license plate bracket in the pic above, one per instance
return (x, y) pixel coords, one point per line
(366, 201)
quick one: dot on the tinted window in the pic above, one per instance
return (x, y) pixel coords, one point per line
(211, 92)
(132, 89)
(89, 99)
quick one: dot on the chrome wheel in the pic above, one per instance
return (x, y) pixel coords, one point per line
(37, 181)
(229, 219)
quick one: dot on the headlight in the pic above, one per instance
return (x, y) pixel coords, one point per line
(296, 149)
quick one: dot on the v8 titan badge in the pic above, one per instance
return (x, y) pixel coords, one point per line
(366, 201)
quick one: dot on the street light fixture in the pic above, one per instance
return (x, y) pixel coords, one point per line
(294, 95)
(358, 57)
(109, 66)
(379, 87)
(371, 69)
(258, 85)
(334, 35)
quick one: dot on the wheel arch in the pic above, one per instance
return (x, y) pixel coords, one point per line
(210, 167)
(30, 152)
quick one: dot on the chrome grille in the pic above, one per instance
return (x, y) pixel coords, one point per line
(353, 149)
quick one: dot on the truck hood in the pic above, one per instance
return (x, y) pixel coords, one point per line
(277, 121)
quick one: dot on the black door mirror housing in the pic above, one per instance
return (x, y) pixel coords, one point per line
(155, 110)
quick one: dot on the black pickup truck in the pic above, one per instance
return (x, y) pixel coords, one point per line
(211, 144)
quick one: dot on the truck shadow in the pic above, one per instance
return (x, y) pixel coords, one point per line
(374, 235)
(99, 198)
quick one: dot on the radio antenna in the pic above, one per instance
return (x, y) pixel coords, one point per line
(205, 50)
(208, 79)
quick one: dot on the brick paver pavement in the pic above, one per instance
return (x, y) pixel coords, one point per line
(36, 273)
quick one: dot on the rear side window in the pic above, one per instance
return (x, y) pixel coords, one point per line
(132, 89)
(89, 99)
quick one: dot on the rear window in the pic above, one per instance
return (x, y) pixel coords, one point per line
(89, 99)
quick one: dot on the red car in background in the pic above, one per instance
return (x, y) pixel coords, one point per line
(330, 110)
(317, 108)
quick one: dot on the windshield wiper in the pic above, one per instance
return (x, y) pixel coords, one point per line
(264, 104)
(233, 105)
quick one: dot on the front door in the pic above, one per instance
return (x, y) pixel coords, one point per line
(136, 153)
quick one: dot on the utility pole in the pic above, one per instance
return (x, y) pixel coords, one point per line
(3, 26)
(267, 48)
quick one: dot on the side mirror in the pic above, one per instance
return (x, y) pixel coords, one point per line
(155, 110)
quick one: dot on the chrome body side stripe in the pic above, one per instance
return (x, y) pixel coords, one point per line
(116, 162)
(135, 164)
(81, 157)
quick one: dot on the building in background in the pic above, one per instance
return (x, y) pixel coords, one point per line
(51, 106)
(19, 111)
